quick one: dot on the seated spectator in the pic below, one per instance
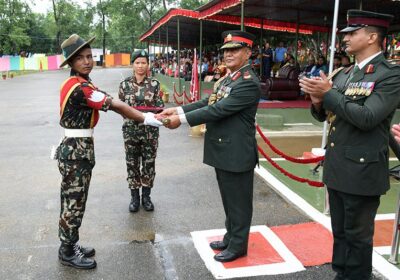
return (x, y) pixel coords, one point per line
(337, 62)
(346, 61)
(320, 66)
(291, 61)
(310, 64)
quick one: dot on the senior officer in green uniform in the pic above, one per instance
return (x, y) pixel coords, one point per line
(230, 145)
(359, 104)
(80, 103)
(141, 141)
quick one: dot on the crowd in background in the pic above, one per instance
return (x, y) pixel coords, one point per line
(265, 61)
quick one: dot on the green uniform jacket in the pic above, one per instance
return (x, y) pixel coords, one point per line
(229, 113)
(357, 159)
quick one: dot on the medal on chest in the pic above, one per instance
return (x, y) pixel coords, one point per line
(360, 89)
(222, 92)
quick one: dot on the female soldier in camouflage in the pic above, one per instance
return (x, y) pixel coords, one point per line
(141, 141)
(80, 102)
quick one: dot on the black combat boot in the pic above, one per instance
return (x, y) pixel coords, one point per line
(135, 201)
(71, 255)
(146, 201)
(86, 251)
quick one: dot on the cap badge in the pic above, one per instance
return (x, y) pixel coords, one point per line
(229, 37)
(143, 52)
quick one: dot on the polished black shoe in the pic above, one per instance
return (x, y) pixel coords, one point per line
(218, 245)
(146, 200)
(135, 201)
(226, 256)
(71, 255)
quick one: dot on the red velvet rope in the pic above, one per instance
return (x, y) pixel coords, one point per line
(290, 175)
(176, 100)
(176, 93)
(289, 158)
(189, 100)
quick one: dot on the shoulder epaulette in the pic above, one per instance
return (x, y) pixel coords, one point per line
(334, 73)
(390, 65)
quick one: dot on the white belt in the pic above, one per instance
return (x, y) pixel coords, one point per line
(78, 132)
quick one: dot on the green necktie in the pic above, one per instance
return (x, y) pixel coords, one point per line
(355, 70)
(352, 73)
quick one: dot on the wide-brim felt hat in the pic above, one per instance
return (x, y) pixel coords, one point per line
(72, 46)
(357, 19)
(237, 39)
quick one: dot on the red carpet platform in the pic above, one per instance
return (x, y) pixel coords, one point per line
(301, 103)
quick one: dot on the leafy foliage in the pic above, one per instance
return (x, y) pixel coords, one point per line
(117, 24)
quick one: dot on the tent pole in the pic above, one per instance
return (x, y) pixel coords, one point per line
(200, 56)
(332, 54)
(167, 46)
(261, 47)
(242, 15)
(178, 57)
(297, 35)
(159, 40)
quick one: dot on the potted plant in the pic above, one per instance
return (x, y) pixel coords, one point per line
(164, 94)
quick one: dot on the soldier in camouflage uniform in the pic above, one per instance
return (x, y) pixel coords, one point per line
(141, 141)
(80, 102)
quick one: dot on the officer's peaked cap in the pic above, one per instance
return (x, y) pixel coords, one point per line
(237, 39)
(357, 19)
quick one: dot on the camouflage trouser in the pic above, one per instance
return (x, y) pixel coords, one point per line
(141, 151)
(76, 175)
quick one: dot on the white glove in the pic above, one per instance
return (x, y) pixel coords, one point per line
(149, 119)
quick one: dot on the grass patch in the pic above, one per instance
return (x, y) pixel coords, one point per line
(315, 196)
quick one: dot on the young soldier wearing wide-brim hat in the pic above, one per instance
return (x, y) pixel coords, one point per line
(80, 103)
(230, 145)
(359, 104)
(141, 141)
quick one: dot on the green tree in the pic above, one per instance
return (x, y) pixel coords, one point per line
(191, 4)
(69, 18)
(13, 26)
(40, 40)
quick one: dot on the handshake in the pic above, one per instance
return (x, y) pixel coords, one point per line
(168, 117)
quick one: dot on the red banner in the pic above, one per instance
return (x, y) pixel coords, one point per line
(194, 83)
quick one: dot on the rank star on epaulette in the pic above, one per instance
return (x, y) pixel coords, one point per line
(246, 75)
(236, 76)
(370, 69)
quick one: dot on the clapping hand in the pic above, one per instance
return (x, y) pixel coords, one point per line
(316, 88)
(396, 132)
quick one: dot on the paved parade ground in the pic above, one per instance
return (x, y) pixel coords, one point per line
(145, 245)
